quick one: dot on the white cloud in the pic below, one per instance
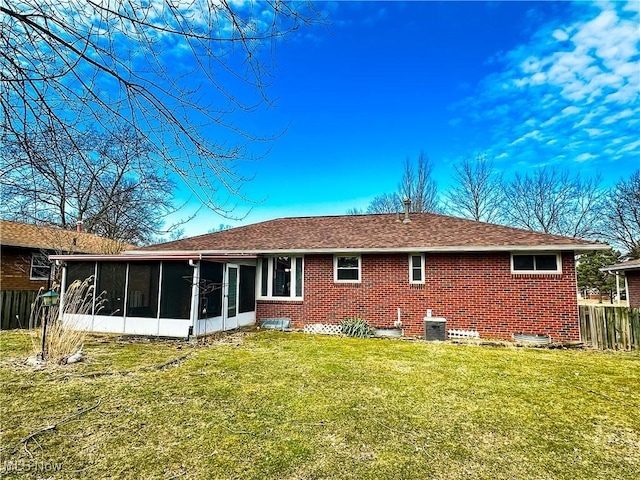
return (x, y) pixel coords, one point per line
(560, 35)
(583, 157)
(574, 86)
(629, 147)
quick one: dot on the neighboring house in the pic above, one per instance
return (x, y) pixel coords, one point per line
(631, 272)
(492, 279)
(25, 266)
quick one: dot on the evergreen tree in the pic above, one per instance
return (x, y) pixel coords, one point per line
(591, 277)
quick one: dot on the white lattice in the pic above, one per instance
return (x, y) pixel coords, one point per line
(463, 334)
(322, 328)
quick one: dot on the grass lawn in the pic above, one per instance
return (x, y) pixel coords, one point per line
(295, 406)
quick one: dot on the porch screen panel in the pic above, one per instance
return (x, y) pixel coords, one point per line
(110, 288)
(80, 298)
(176, 290)
(210, 290)
(142, 292)
(80, 271)
(247, 300)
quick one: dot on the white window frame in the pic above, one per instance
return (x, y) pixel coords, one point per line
(335, 268)
(557, 271)
(46, 264)
(270, 262)
(412, 268)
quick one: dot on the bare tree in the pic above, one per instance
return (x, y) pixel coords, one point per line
(178, 74)
(385, 203)
(109, 181)
(621, 215)
(355, 211)
(417, 184)
(552, 201)
(477, 191)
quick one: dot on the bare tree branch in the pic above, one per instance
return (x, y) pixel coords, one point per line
(179, 75)
(108, 181)
(477, 191)
(552, 201)
(621, 215)
(417, 184)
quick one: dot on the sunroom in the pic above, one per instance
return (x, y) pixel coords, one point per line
(161, 295)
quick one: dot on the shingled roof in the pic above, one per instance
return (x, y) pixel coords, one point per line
(26, 235)
(371, 233)
(628, 265)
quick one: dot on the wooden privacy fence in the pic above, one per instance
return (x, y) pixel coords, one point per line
(607, 327)
(15, 308)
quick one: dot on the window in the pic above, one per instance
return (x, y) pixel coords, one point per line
(40, 267)
(536, 263)
(281, 277)
(416, 268)
(346, 269)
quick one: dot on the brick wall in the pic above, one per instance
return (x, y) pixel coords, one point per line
(471, 290)
(15, 270)
(633, 283)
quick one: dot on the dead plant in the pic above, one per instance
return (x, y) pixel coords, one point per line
(64, 333)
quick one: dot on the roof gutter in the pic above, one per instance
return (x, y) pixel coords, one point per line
(443, 249)
(618, 268)
(151, 256)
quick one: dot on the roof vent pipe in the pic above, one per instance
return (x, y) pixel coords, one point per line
(407, 204)
(79, 226)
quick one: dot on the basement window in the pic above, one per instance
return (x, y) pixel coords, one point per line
(536, 263)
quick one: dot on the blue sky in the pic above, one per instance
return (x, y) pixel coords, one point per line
(529, 83)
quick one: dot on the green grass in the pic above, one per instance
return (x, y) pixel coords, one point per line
(288, 405)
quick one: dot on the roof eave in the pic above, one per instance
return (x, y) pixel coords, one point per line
(434, 249)
(152, 256)
(620, 268)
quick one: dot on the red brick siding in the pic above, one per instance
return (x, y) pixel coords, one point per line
(16, 268)
(633, 284)
(471, 290)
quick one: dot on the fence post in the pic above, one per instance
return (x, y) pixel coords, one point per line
(610, 327)
(15, 308)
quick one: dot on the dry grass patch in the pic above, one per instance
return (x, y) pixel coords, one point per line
(276, 405)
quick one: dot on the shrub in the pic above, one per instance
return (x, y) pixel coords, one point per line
(356, 327)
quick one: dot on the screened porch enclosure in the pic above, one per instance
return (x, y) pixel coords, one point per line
(171, 298)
